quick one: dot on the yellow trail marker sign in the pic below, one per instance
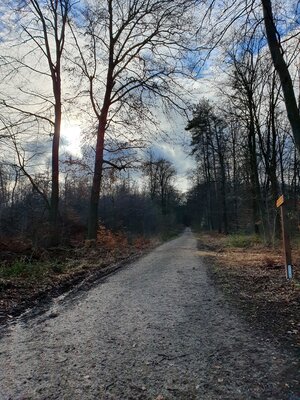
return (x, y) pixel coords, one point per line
(279, 201)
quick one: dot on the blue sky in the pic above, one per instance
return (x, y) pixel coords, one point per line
(173, 144)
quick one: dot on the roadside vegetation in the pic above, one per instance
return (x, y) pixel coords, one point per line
(133, 220)
(252, 276)
(30, 274)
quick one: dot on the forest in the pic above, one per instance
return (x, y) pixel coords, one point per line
(149, 199)
(86, 90)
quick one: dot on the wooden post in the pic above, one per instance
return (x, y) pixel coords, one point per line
(285, 239)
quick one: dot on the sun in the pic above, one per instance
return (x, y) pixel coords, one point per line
(71, 138)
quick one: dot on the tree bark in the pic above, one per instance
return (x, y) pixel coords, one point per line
(255, 187)
(282, 70)
(96, 186)
(54, 202)
(98, 168)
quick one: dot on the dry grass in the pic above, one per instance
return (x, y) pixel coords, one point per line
(253, 277)
(27, 274)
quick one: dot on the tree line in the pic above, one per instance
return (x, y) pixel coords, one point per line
(112, 65)
(246, 152)
(112, 60)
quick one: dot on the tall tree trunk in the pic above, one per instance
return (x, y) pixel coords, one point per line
(210, 219)
(98, 167)
(223, 194)
(235, 191)
(55, 234)
(273, 173)
(255, 187)
(218, 205)
(163, 201)
(282, 69)
(102, 118)
(95, 191)
(220, 151)
(282, 183)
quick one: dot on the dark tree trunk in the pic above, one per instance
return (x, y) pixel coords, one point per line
(218, 203)
(220, 151)
(272, 170)
(54, 202)
(163, 202)
(210, 219)
(255, 187)
(102, 117)
(282, 183)
(53, 18)
(282, 69)
(223, 194)
(235, 191)
(96, 186)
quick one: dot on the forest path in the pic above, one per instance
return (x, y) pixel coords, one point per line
(157, 329)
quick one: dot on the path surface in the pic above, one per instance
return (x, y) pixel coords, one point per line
(158, 329)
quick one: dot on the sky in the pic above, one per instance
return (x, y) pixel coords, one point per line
(174, 150)
(19, 88)
(172, 145)
(176, 144)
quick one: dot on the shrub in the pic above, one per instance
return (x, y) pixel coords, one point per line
(140, 243)
(22, 268)
(242, 241)
(111, 241)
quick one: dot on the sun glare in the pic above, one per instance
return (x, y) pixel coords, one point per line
(71, 136)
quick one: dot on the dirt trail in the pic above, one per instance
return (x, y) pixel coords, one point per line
(158, 329)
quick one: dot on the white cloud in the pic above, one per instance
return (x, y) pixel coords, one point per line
(179, 158)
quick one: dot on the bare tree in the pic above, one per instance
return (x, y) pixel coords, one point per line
(160, 174)
(209, 136)
(246, 16)
(136, 50)
(42, 26)
(282, 69)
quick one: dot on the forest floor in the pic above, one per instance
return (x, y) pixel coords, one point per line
(30, 276)
(252, 277)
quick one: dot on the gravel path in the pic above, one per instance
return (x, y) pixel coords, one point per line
(157, 329)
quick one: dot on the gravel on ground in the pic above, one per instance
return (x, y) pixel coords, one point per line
(158, 329)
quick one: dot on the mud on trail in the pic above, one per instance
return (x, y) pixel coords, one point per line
(157, 329)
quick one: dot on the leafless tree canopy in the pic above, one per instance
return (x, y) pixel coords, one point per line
(115, 67)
